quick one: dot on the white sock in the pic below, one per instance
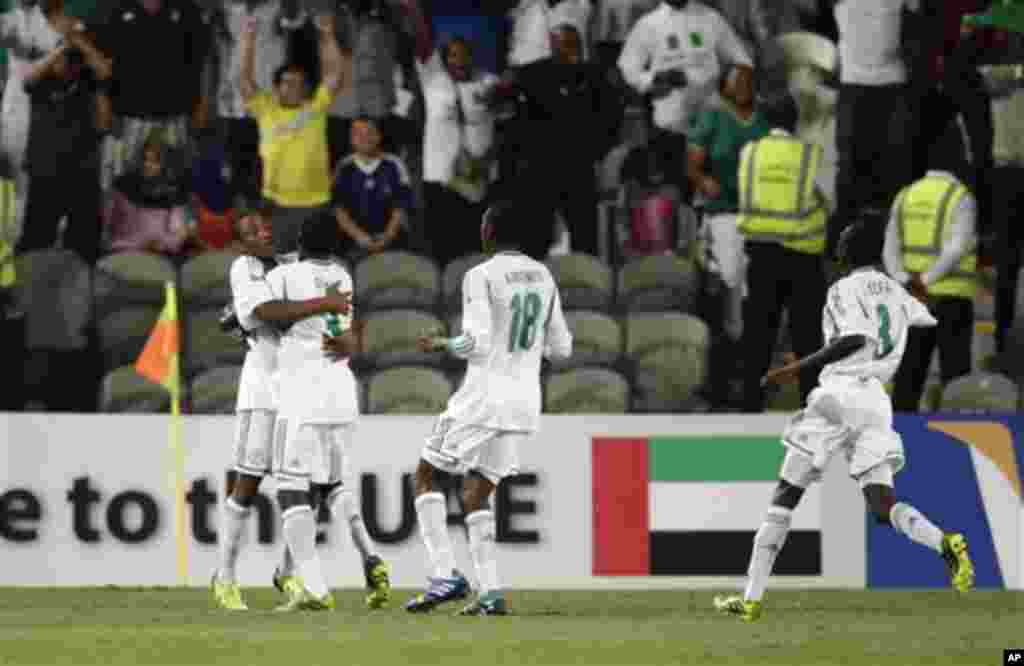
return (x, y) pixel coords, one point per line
(344, 506)
(768, 541)
(918, 529)
(235, 519)
(300, 534)
(482, 548)
(432, 514)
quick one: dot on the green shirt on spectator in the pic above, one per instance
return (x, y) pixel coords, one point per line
(722, 134)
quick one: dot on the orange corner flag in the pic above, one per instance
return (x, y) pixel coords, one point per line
(158, 361)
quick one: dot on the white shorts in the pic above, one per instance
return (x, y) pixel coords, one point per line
(850, 416)
(459, 448)
(311, 453)
(254, 441)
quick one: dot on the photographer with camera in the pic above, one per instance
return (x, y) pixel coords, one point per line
(70, 112)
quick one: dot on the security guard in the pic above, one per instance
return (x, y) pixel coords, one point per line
(782, 218)
(12, 322)
(931, 247)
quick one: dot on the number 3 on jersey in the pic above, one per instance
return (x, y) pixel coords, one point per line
(886, 343)
(526, 306)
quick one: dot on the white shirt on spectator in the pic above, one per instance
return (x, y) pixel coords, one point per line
(869, 41)
(534, 22)
(696, 40)
(443, 136)
(962, 240)
(271, 51)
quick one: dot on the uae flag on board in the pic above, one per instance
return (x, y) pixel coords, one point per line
(689, 506)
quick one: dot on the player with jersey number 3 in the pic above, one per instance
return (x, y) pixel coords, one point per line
(866, 321)
(511, 317)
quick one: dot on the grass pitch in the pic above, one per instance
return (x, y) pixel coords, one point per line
(179, 626)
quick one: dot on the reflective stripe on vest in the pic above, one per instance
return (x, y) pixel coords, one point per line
(937, 210)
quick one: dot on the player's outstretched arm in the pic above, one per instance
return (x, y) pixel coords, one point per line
(475, 339)
(286, 312)
(836, 350)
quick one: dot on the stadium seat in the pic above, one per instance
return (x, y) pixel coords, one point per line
(124, 390)
(206, 345)
(980, 392)
(668, 355)
(54, 290)
(397, 280)
(131, 278)
(597, 340)
(215, 391)
(407, 390)
(451, 280)
(584, 282)
(123, 333)
(204, 280)
(658, 283)
(586, 391)
(390, 339)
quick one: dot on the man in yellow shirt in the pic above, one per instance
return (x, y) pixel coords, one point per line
(293, 132)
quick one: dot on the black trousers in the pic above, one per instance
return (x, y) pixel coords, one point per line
(1008, 200)
(778, 278)
(453, 223)
(952, 336)
(569, 189)
(74, 192)
(873, 137)
(242, 148)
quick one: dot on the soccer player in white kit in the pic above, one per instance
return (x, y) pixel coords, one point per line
(866, 320)
(318, 411)
(512, 316)
(256, 407)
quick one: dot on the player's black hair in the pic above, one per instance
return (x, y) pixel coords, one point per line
(290, 66)
(319, 237)
(779, 111)
(510, 223)
(860, 244)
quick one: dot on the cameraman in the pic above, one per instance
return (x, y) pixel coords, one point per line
(70, 111)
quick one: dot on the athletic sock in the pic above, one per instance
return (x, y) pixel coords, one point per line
(300, 534)
(235, 520)
(768, 541)
(343, 506)
(916, 526)
(481, 547)
(432, 514)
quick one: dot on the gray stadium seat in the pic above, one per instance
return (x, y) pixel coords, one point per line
(658, 283)
(584, 282)
(124, 390)
(981, 392)
(131, 278)
(451, 279)
(390, 338)
(586, 391)
(597, 340)
(123, 333)
(215, 391)
(54, 290)
(397, 280)
(668, 352)
(407, 390)
(206, 346)
(204, 280)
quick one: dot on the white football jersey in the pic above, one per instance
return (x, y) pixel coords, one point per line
(511, 317)
(868, 302)
(314, 388)
(257, 387)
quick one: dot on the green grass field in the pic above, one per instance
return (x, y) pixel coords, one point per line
(177, 626)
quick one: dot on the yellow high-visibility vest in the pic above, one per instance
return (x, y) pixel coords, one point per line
(925, 211)
(778, 200)
(8, 211)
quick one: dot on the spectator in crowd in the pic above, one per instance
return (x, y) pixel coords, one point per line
(569, 117)
(676, 54)
(374, 32)
(458, 141)
(70, 110)
(27, 33)
(147, 209)
(293, 131)
(758, 23)
(782, 217)
(930, 248)
(873, 120)
(372, 195)
(275, 22)
(536, 20)
(613, 20)
(651, 204)
(716, 140)
(159, 49)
